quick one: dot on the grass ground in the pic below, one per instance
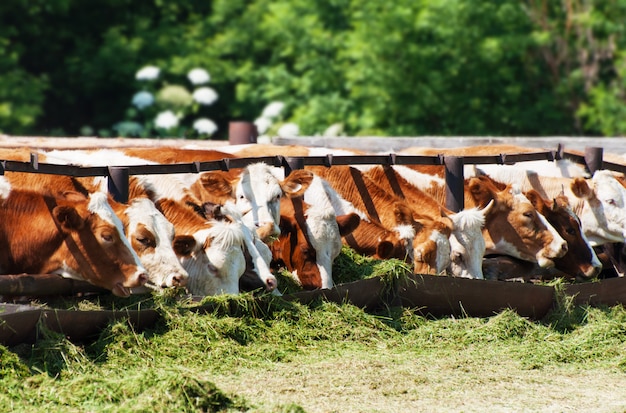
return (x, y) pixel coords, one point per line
(264, 354)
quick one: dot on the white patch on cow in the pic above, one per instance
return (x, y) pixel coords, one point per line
(258, 194)
(418, 179)
(443, 250)
(259, 251)
(5, 187)
(608, 220)
(407, 233)
(98, 204)
(218, 267)
(467, 244)
(562, 168)
(164, 268)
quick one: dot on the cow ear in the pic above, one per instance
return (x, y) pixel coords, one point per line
(217, 184)
(183, 245)
(297, 182)
(581, 189)
(74, 196)
(348, 223)
(481, 192)
(536, 199)
(68, 218)
(384, 250)
(402, 213)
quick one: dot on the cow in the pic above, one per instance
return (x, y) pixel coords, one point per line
(75, 236)
(256, 192)
(211, 252)
(172, 187)
(428, 246)
(512, 226)
(310, 237)
(599, 202)
(467, 245)
(580, 261)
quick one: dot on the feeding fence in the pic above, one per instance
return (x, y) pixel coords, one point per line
(433, 295)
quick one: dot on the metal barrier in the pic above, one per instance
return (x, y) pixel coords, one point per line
(453, 167)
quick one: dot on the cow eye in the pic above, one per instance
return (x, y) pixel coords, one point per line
(143, 241)
(611, 202)
(570, 231)
(528, 214)
(107, 237)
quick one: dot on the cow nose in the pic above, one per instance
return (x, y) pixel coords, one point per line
(178, 280)
(141, 277)
(271, 283)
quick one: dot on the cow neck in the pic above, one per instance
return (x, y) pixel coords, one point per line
(83, 262)
(359, 182)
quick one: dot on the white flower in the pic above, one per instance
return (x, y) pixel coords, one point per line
(143, 99)
(289, 129)
(205, 126)
(198, 76)
(262, 124)
(273, 109)
(166, 120)
(333, 130)
(148, 73)
(205, 95)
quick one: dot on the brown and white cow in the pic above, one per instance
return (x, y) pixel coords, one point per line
(74, 236)
(427, 237)
(182, 212)
(467, 245)
(580, 261)
(599, 202)
(310, 239)
(512, 226)
(211, 251)
(149, 233)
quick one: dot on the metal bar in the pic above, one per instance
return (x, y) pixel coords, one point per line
(118, 183)
(454, 183)
(593, 159)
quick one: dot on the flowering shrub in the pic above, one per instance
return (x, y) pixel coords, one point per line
(164, 108)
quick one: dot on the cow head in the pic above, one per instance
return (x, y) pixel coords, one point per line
(256, 191)
(603, 216)
(151, 235)
(96, 249)
(210, 251)
(310, 240)
(580, 259)
(513, 226)
(467, 245)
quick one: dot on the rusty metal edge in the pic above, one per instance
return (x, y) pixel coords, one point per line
(436, 296)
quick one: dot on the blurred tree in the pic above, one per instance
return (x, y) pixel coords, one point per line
(409, 67)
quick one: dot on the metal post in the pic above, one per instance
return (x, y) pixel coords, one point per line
(454, 183)
(593, 159)
(118, 183)
(292, 163)
(240, 133)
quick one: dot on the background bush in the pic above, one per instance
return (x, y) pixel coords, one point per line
(368, 67)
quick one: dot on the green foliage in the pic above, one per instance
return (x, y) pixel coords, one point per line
(440, 67)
